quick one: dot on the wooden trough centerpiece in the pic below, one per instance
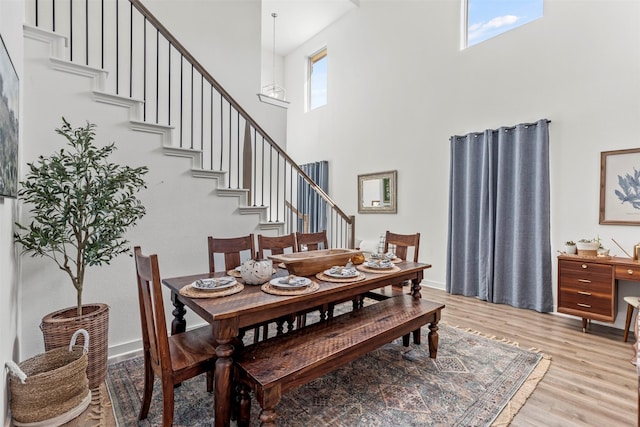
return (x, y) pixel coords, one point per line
(312, 262)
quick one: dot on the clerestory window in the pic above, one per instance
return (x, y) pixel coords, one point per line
(488, 18)
(317, 80)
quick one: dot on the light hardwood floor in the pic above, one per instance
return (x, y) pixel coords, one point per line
(590, 382)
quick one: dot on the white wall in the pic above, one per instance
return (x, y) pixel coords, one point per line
(399, 86)
(11, 18)
(225, 37)
(181, 210)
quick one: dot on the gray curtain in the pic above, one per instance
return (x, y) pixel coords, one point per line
(309, 202)
(498, 245)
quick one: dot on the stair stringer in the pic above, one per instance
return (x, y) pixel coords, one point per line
(58, 61)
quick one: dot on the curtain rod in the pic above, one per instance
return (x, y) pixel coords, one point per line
(503, 127)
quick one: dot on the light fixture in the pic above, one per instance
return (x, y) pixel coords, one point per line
(272, 93)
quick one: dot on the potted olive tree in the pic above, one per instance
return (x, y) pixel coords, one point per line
(81, 206)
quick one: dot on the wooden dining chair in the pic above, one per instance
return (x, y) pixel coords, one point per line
(174, 358)
(276, 245)
(402, 245)
(312, 241)
(235, 250)
(270, 245)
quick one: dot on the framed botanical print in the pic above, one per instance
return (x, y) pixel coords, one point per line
(620, 187)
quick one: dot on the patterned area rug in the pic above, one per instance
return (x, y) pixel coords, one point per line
(475, 381)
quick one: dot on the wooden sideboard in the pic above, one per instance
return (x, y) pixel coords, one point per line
(587, 286)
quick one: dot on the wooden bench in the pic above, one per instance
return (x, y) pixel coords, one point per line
(272, 367)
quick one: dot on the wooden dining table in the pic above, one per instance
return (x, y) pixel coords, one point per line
(227, 315)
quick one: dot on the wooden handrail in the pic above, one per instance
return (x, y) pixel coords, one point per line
(304, 217)
(255, 163)
(194, 62)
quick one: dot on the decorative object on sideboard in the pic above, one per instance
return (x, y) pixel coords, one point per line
(81, 205)
(588, 247)
(570, 247)
(622, 249)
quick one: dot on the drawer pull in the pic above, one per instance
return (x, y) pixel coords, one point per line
(584, 293)
(584, 281)
(630, 271)
(584, 305)
(584, 265)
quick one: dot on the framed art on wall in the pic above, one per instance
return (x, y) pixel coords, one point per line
(620, 187)
(9, 98)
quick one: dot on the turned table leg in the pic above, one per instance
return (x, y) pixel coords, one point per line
(179, 324)
(433, 339)
(225, 332)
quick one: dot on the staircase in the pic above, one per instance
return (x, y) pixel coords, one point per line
(134, 62)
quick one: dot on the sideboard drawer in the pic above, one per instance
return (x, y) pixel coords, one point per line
(587, 303)
(627, 272)
(584, 267)
(593, 282)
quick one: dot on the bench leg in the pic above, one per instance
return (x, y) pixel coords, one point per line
(416, 337)
(433, 340)
(268, 418)
(243, 407)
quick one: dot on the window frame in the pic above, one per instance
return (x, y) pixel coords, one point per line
(312, 59)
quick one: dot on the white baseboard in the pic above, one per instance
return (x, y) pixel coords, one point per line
(132, 348)
(433, 285)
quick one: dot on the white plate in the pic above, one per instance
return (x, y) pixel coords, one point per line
(340, 275)
(377, 266)
(217, 284)
(297, 283)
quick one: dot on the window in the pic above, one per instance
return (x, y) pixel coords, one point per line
(488, 18)
(317, 85)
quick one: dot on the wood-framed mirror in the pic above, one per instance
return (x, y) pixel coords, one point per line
(377, 192)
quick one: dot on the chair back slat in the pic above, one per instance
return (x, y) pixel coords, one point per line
(402, 243)
(276, 245)
(232, 250)
(313, 241)
(152, 317)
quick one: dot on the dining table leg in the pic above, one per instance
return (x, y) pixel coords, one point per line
(415, 286)
(179, 324)
(415, 292)
(223, 374)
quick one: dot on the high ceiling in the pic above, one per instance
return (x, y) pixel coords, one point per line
(299, 20)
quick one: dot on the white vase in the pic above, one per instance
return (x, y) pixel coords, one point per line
(570, 249)
(256, 271)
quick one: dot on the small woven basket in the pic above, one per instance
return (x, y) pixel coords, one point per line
(50, 388)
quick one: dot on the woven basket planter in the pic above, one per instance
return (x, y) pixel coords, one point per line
(58, 327)
(51, 388)
(588, 248)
